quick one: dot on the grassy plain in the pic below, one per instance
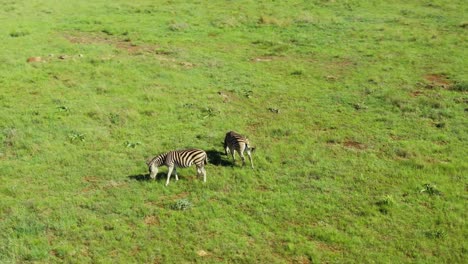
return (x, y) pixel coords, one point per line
(358, 111)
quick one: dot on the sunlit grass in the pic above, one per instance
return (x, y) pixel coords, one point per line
(357, 110)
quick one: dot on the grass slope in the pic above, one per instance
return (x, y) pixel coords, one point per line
(358, 111)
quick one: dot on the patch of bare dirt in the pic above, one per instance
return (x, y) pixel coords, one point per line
(262, 59)
(416, 93)
(152, 220)
(437, 80)
(125, 44)
(300, 260)
(335, 68)
(354, 144)
(90, 179)
(263, 188)
(34, 59)
(227, 96)
(341, 63)
(122, 44)
(167, 198)
(186, 64)
(327, 247)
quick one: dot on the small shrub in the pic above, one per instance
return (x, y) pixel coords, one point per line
(268, 20)
(386, 201)
(209, 112)
(225, 22)
(359, 106)
(76, 137)
(63, 108)
(165, 51)
(385, 204)
(463, 24)
(188, 105)
(280, 132)
(435, 234)
(129, 144)
(107, 32)
(460, 87)
(9, 136)
(16, 34)
(182, 205)
(402, 153)
(278, 50)
(247, 93)
(178, 26)
(430, 189)
(297, 72)
(273, 110)
(114, 118)
(304, 19)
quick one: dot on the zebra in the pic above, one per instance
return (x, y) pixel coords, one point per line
(236, 142)
(179, 159)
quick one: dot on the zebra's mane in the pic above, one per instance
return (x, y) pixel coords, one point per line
(157, 159)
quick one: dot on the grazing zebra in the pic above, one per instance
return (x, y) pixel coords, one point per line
(179, 159)
(236, 142)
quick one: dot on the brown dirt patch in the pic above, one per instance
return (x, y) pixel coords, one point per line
(122, 44)
(354, 144)
(341, 63)
(437, 80)
(262, 59)
(300, 260)
(125, 44)
(167, 198)
(91, 179)
(416, 93)
(327, 247)
(263, 188)
(227, 96)
(152, 220)
(34, 59)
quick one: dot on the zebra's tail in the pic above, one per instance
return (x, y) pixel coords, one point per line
(206, 159)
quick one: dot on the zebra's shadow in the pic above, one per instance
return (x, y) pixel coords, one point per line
(146, 177)
(215, 158)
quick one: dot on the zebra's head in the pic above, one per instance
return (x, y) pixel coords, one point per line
(153, 170)
(154, 163)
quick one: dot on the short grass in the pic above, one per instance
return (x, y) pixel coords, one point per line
(358, 111)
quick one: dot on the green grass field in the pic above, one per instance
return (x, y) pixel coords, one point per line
(358, 110)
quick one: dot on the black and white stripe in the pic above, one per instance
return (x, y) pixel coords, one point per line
(179, 159)
(235, 142)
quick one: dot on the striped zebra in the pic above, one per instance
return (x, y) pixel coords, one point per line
(179, 159)
(235, 142)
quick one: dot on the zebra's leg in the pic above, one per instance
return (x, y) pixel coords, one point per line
(198, 171)
(233, 153)
(175, 172)
(241, 153)
(243, 159)
(169, 174)
(204, 173)
(226, 150)
(249, 153)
